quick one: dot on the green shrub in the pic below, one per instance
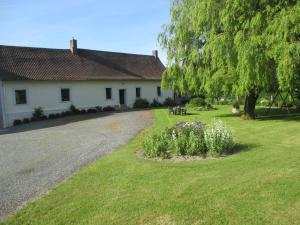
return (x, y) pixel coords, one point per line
(92, 110)
(43, 117)
(196, 144)
(218, 139)
(157, 146)
(141, 103)
(65, 113)
(38, 113)
(155, 103)
(169, 102)
(17, 122)
(196, 102)
(108, 109)
(180, 142)
(190, 138)
(52, 116)
(26, 120)
(98, 108)
(223, 101)
(83, 111)
(208, 107)
(264, 102)
(74, 110)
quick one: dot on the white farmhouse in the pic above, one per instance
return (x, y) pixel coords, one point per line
(54, 79)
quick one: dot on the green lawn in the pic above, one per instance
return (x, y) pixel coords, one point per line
(260, 184)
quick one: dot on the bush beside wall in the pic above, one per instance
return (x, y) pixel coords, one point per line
(141, 103)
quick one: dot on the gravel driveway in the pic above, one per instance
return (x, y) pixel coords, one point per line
(36, 157)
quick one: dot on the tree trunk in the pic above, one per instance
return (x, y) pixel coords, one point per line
(249, 107)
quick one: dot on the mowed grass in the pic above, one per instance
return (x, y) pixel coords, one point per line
(260, 184)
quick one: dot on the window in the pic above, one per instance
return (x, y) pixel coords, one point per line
(65, 94)
(138, 92)
(158, 91)
(21, 97)
(108, 93)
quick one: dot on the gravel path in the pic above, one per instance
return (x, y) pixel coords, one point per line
(36, 157)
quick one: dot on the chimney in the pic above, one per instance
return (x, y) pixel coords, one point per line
(155, 54)
(73, 46)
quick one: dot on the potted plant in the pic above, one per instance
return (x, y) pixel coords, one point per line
(236, 107)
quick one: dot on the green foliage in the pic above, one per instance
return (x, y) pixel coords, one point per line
(232, 47)
(154, 103)
(196, 143)
(169, 102)
(106, 109)
(98, 108)
(26, 120)
(196, 102)
(199, 104)
(38, 113)
(141, 103)
(189, 138)
(218, 139)
(259, 185)
(92, 110)
(236, 105)
(17, 122)
(180, 142)
(74, 110)
(157, 145)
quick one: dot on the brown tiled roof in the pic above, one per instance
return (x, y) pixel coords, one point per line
(24, 63)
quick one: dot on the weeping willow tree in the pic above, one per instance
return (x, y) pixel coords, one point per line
(236, 47)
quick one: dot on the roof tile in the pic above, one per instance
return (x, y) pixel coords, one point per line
(24, 63)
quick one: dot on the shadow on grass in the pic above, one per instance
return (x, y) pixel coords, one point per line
(287, 117)
(230, 115)
(187, 114)
(263, 113)
(242, 148)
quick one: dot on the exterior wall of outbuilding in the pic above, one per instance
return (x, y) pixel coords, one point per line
(2, 125)
(83, 95)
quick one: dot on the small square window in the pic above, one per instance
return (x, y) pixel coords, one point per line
(138, 92)
(108, 93)
(158, 91)
(21, 97)
(65, 94)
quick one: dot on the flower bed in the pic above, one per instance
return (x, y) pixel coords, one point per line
(190, 139)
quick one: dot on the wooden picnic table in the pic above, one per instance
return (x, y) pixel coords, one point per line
(177, 110)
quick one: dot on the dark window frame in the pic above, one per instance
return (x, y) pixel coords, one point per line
(158, 91)
(138, 92)
(23, 99)
(108, 93)
(65, 98)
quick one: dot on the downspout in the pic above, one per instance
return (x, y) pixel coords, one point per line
(2, 99)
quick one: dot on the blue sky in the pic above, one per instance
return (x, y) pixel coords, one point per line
(110, 25)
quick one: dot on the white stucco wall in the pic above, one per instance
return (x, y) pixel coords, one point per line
(1, 106)
(84, 94)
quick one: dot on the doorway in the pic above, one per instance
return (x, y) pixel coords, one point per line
(122, 96)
